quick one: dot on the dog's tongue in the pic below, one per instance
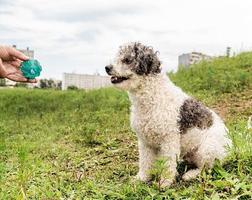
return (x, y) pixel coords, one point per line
(113, 78)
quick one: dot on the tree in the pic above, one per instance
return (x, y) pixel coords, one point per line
(23, 85)
(2, 82)
(43, 83)
(72, 87)
(228, 51)
(50, 83)
(59, 85)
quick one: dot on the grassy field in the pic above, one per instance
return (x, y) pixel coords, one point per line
(79, 145)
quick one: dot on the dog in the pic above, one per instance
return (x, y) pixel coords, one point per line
(169, 123)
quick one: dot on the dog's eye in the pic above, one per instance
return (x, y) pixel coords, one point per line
(126, 61)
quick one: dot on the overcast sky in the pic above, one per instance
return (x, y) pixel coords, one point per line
(83, 36)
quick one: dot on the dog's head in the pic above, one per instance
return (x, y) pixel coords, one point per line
(133, 62)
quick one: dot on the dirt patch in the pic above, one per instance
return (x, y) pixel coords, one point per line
(234, 104)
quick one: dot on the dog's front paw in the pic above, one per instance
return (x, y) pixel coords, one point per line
(164, 183)
(142, 177)
(138, 178)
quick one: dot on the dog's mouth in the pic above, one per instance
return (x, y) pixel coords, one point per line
(118, 79)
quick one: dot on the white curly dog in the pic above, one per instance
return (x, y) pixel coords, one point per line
(168, 123)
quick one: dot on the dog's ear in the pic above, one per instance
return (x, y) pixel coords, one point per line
(152, 63)
(148, 62)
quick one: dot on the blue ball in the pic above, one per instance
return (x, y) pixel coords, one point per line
(31, 69)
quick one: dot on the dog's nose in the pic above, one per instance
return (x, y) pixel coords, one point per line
(108, 68)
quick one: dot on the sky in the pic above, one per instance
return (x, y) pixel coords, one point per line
(83, 36)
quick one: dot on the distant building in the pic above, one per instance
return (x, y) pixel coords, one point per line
(84, 81)
(188, 59)
(27, 51)
(9, 83)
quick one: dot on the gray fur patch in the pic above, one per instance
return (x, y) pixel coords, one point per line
(194, 114)
(142, 59)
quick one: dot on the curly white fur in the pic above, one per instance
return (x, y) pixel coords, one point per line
(155, 112)
(154, 116)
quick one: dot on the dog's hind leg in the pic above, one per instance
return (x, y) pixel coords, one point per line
(203, 157)
(191, 174)
(201, 160)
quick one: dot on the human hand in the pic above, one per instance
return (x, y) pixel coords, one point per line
(10, 61)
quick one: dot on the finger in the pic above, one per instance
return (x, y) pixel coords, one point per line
(12, 68)
(1, 62)
(18, 77)
(2, 70)
(4, 53)
(17, 54)
(16, 63)
(19, 73)
(32, 80)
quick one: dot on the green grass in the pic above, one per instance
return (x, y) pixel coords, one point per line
(221, 75)
(79, 145)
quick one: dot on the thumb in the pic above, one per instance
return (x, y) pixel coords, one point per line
(2, 69)
(17, 54)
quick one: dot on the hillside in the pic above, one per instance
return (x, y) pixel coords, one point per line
(220, 75)
(79, 145)
(223, 83)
